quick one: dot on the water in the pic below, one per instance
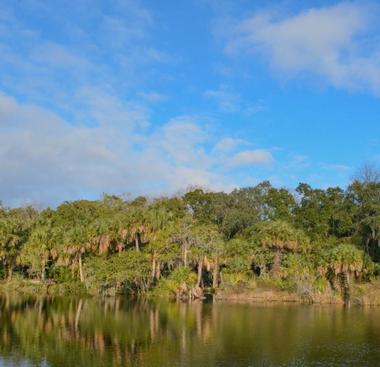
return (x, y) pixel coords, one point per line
(117, 332)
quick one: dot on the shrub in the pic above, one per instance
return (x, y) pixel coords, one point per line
(178, 284)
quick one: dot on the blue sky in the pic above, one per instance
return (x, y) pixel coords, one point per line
(152, 97)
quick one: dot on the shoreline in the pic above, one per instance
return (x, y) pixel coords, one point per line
(367, 294)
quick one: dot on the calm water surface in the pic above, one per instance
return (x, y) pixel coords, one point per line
(115, 332)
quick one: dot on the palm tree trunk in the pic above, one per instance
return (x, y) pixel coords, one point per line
(81, 274)
(367, 246)
(10, 272)
(200, 272)
(333, 282)
(185, 251)
(43, 271)
(158, 270)
(276, 262)
(153, 273)
(137, 241)
(215, 276)
(346, 286)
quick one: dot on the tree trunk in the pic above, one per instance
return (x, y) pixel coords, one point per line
(153, 273)
(10, 272)
(185, 251)
(345, 281)
(215, 275)
(367, 246)
(158, 270)
(200, 272)
(221, 279)
(333, 283)
(276, 262)
(43, 271)
(137, 241)
(81, 274)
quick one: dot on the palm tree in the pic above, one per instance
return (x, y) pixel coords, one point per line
(345, 260)
(184, 236)
(77, 241)
(39, 249)
(209, 246)
(13, 233)
(280, 236)
(158, 225)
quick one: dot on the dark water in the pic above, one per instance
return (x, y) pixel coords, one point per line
(115, 332)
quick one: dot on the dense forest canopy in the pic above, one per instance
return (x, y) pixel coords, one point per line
(303, 240)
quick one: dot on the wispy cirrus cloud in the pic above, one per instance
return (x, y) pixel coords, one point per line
(336, 43)
(231, 102)
(227, 100)
(335, 167)
(251, 158)
(106, 50)
(226, 145)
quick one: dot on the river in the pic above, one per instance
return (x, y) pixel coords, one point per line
(117, 332)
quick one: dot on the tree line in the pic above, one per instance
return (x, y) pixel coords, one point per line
(305, 240)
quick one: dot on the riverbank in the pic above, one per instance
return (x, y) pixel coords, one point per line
(273, 295)
(366, 294)
(38, 288)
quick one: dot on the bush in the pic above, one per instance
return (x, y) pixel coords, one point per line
(239, 281)
(178, 284)
(60, 274)
(128, 272)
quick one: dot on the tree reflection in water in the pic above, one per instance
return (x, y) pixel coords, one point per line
(118, 332)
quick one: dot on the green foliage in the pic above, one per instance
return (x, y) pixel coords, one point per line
(300, 275)
(239, 254)
(182, 279)
(129, 271)
(239, 281)
(282, 235)
(296, 241)
(60, 274)
(347, 258)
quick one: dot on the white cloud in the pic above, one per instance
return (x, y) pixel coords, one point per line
(44, 159)
(117, 54)
(336, 43)
(252, 158)
(227, 144)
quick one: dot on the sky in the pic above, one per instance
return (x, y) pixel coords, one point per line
(153, 97)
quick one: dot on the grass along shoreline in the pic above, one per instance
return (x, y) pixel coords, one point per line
(365, 294)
